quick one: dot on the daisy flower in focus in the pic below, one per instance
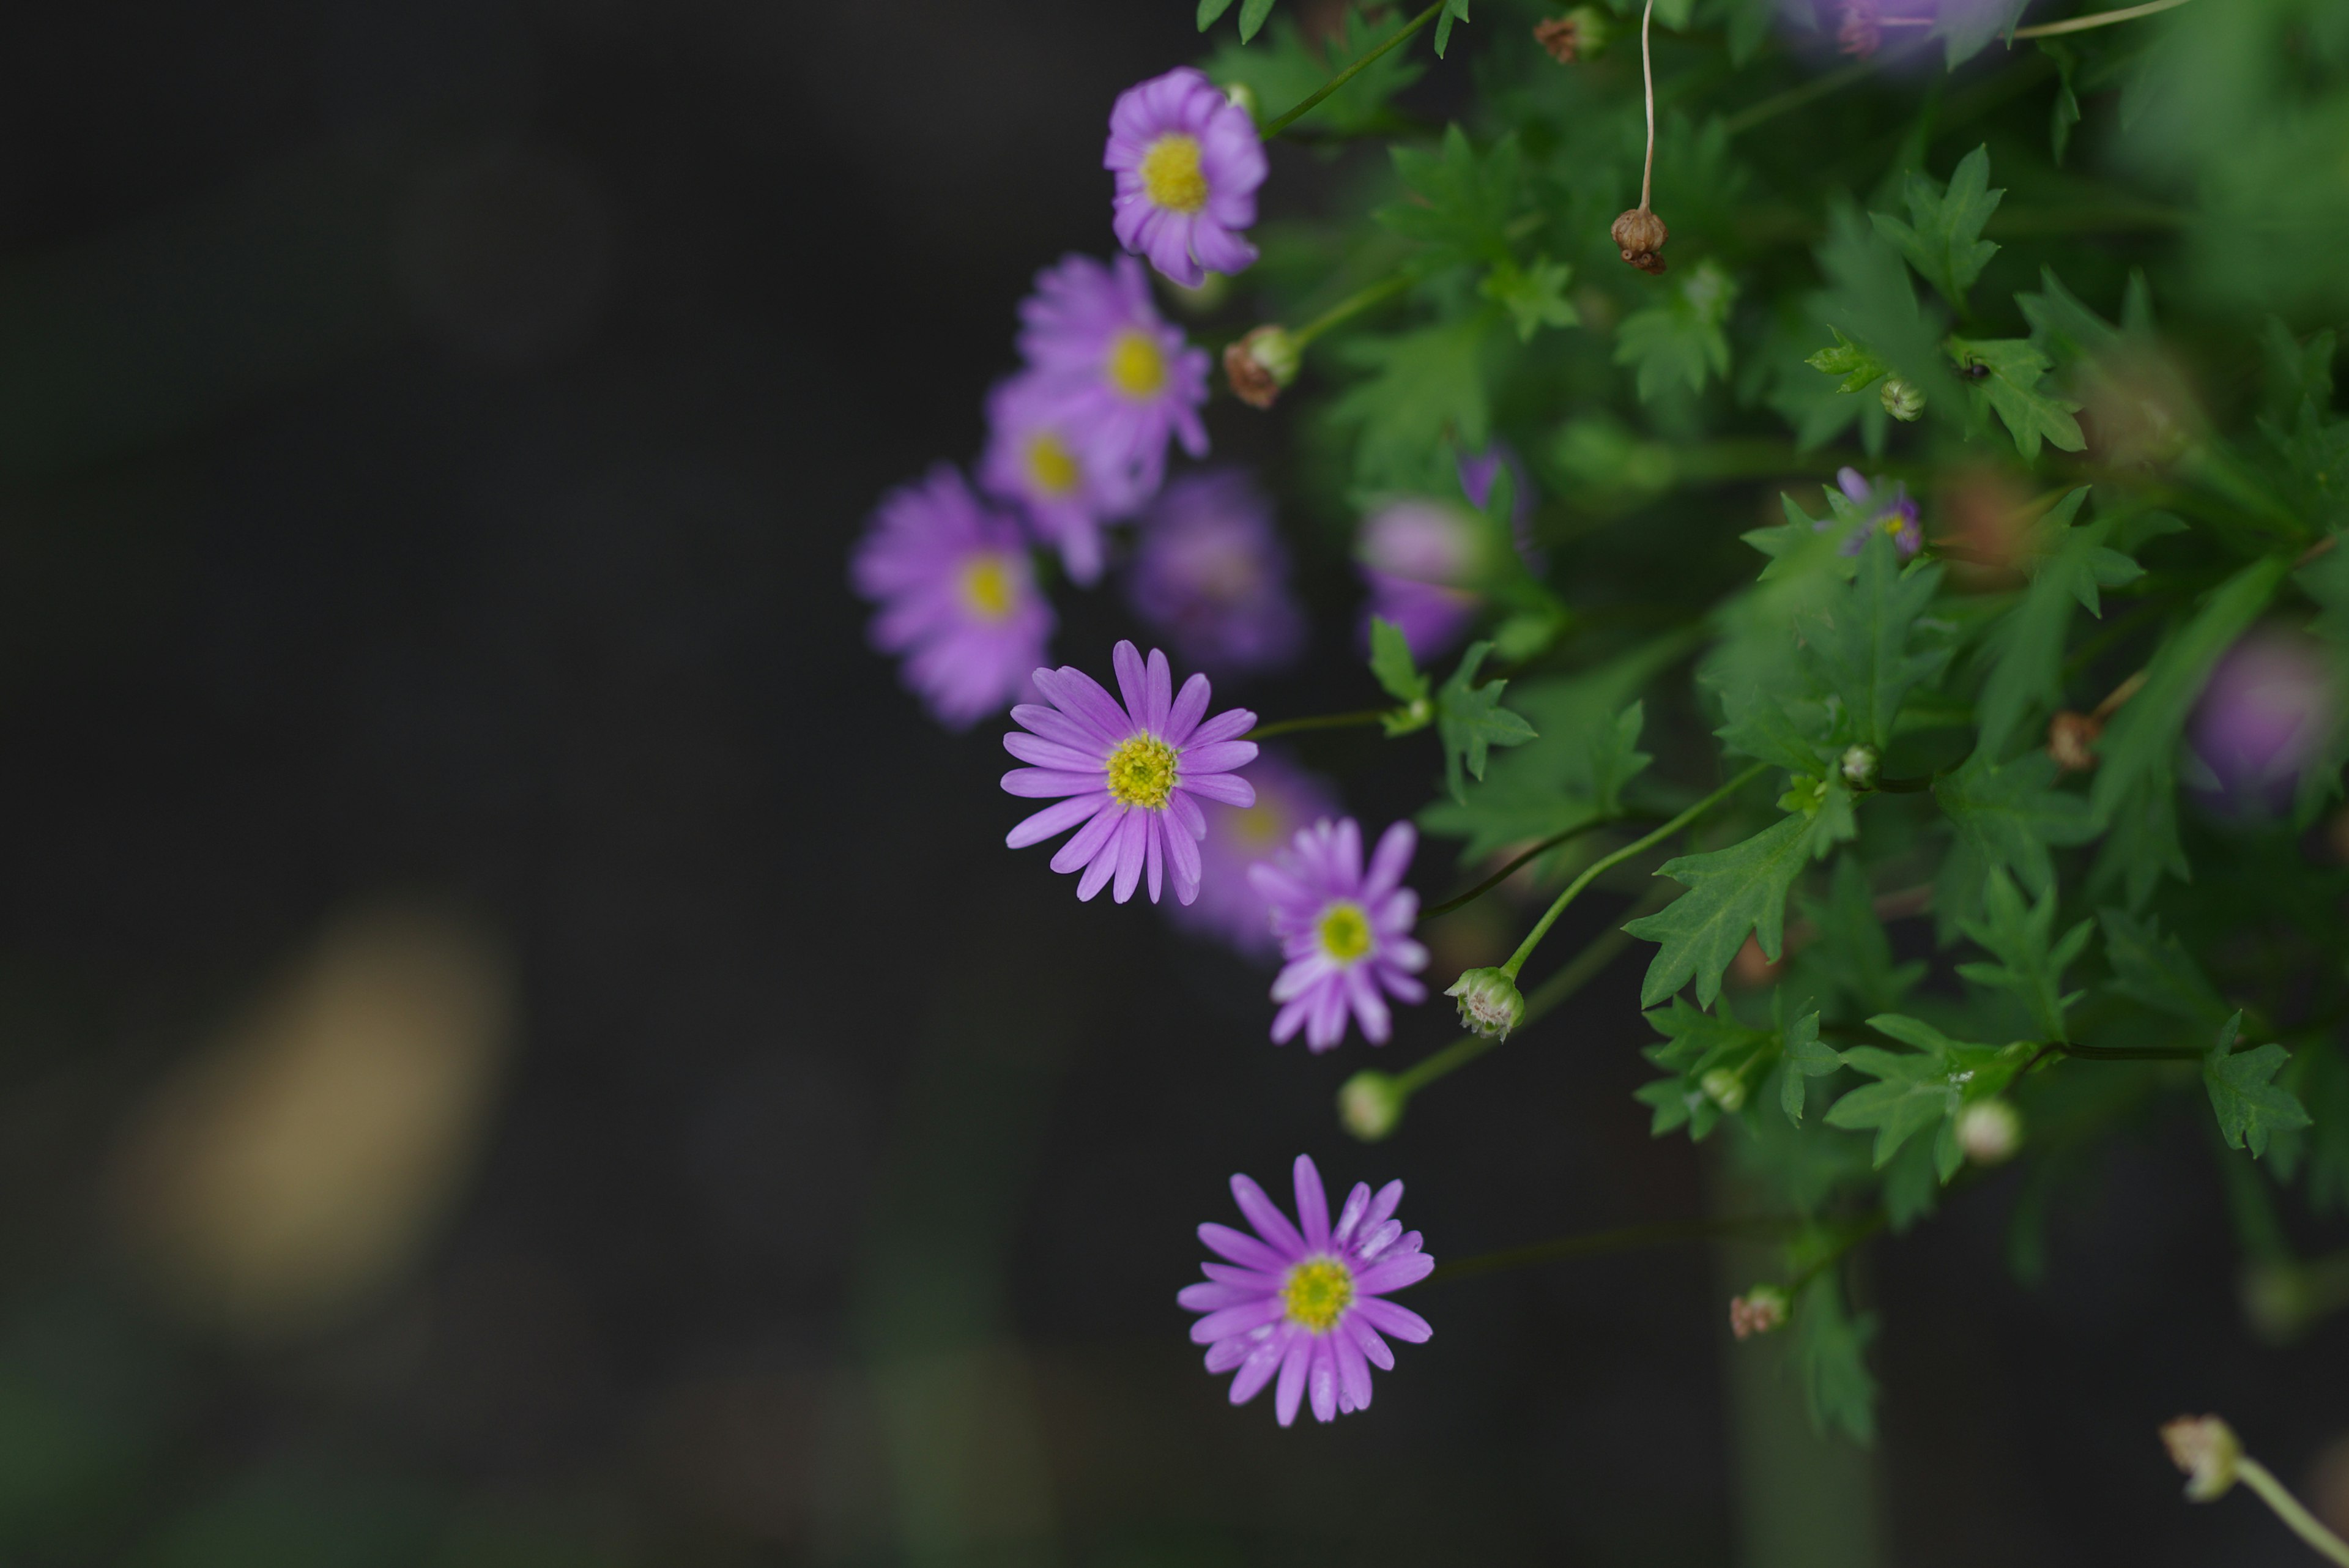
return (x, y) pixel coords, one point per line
(1133, 773)
(1187, 162)
(957, 595)
(1036, 458)
(1229, 909)
(1210, 573)
(1345, 931)
(1305, 1300)
(1125, 381)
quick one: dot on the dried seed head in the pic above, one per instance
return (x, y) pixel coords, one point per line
(1640, 234)
(1581, 33)
(1260, 364)
(2072, 740)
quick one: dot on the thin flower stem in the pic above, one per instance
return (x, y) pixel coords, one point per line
(1648, 80)
(1353, 304)
(1511, 869)
(2099, 19)
(1770, 109)
(1342, 77)
(1609, 862)
(1626, 1239)
(1319, 722)
(2261, 1480)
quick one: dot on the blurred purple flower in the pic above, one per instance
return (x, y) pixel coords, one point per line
(1893, 511)
(2269, 709)
(957, 595)
(1345, 932)
(1187, 162)
(1122, 379)
(1229, 907)
(1305, 1300)
(1210, 573)
(1413, 554)
(1130, 772)
(1035, 457)
(1476, 473)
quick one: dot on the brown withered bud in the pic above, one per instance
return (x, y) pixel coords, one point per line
(2072, 740)
(1640, 234)
(1559, 36)
(1860, 34)
(1260, 364)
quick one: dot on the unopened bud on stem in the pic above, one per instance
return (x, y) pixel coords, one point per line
(2208, 1451)
(1903, 399)
(1490, 1004)
(1369, 1105)
(1581, 33)
(2072, 740)
(1260, 364)
(1859, 764)
(1758, 1310)
(1725, 1088)
(1990, 1131)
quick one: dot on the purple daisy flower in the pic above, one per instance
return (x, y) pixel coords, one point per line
(1306, 1299)
(1228, 907)
(1130, 772)
(1413, 553)
(958, 596)
(1345, 932)
(1478, 471)
(1125, 381)
(1187, 162)
(1894, 511)
(1036, 457)
(2263, 718)
(1209, 572)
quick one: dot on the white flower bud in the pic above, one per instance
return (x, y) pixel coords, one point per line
(1990, 1131)
(1723, 1089)
(1369, 1105)
(1859, 765)
(1903, 400)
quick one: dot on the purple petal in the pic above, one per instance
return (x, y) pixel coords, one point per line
(1217, 757)
(1155, 860)
(1358, 1202)
(1055, 755)
(1353, 1370)
(1132, 834)
(1053, 725)
(1229, 788)
(1269, 1222)
(1228, 1321)
(1243, 1249)
(1393, 1274)
(1160, 681)
(1366, 1339)
(1085, 847)
(1103, 866)
(1293, 1362)
(1262, 1362)
(1322, 1381)
(1388, 1318)
(1054, 819)
(1210, 1295)
(1226, 725)
(1227, 1353)
(1370, 1007)
(1040, 784)
(1313, 1204)
(1391, 861)
(1133, 682)
(1189, 704)
(1082, 696)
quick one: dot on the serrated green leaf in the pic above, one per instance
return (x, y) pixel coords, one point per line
(2156, 971)
(2012, 815)
(1807, 1056)
(1252, 15)
(1471, 721)
(1861, 642)
(1912, 1092)
(1454, 11)
(1464, 199)
(1853, 954)
(1393, 668)
(1680, 340)
(1943, 238)
(1859, 369)
(1831, 1351)
(2001, 376)
(2248, 1102)
(1871, 300)
(1534, 297)
(2032, 959)
(2072, 563)
(1425, 385)
(1730, 892)
(2066, 111)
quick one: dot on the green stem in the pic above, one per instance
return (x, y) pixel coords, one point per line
(1627, 1239)
(1319, 722)
(2099, 19)
(1609, 862)
(1505, 872)
(2257, 1476)
(1796, 98)
(1342, 77)
(1353, 304)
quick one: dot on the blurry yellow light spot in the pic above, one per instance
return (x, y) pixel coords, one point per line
(1051, 467)
(1136, 367)
(988, 589)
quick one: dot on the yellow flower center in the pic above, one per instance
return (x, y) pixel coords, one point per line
(1345, 931)
(988, 587)
(1171, 175)
(1051, 467)
(1136, 368)
(1141, 773)
(1315, 1293)
(1893, 524)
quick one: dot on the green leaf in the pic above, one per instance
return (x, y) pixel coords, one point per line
(2002, 375)
(2011, 816)
(1399, 678)
(2032, 960)
(1853, 954)
(1697, 1043)
(1871, 300)
(2066, 111)
(1861, 643)
(1210, 10)
(1285, 67)
(1464, 200)
(1534, 297)
(1943, 238)
(1471, 721)
(1454, 11)
(1965, 29)
(2248, 1103)
(1859, 369)
(1807, 1056)
(2156, 971)
(2072, 563)
(2319, 1074)
(1425, 385)
(1831, 1352)
(1730, 892)
(1680, 339)
(1252, 15)
(1913, 1091)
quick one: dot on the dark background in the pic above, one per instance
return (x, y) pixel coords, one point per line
(431, 439)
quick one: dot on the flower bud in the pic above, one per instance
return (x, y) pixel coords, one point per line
(1260, 364)
(1640, 234)
(2072, 740)
(2208, 1451)
(1243, 95)
(1725, 1088)
(1581, 32)
(1903, 399)
(1369, 1105)
(1489, 1002)
(1758, 1310)
(1859, 766)
(1990, 1131)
